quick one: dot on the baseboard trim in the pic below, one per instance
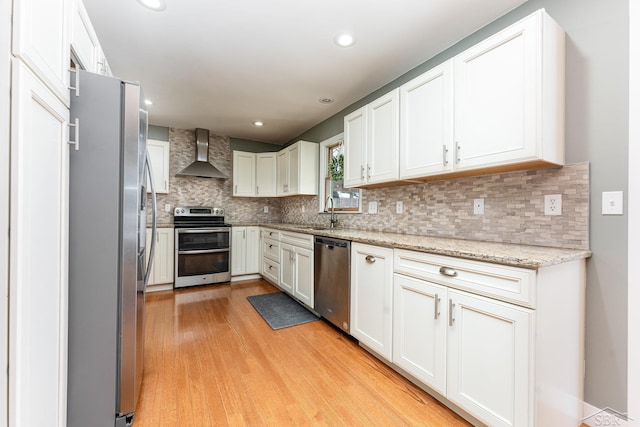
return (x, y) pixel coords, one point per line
(161, 287)
(597, 417)
(245, 277)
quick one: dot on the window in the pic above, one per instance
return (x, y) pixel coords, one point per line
(331, 178)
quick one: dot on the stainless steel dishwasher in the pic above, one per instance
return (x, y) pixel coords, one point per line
(332, 278)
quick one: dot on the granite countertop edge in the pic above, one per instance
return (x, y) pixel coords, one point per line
(516, 255)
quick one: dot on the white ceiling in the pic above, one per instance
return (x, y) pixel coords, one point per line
(221, 65)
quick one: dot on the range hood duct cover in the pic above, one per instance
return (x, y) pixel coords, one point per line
(201, 167)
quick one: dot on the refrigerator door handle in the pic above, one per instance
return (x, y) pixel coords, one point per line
(152, 247)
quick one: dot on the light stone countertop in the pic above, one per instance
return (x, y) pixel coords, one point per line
(525, 256)
(161, 225)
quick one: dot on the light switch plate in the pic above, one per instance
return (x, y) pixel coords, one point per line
(399, 207)
(612, 203)
(478, 206)
(373, 207)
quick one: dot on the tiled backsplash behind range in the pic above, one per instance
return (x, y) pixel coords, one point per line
(195, 191)
(513, 203)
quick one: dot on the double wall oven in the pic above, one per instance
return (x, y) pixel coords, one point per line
(202, 246)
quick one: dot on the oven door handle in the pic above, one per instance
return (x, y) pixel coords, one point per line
(205, 251)
(201, 231)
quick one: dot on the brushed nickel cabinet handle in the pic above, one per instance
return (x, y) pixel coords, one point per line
(436, 300)
(451, 317)
(445, 150)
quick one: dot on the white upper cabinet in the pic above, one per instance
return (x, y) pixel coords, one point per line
(244, 174)
(266, 174)
(159, 157)
(371, 142)
(426, 123)
(84, 42)
(509, 96)
(41, 40)
(298, 169)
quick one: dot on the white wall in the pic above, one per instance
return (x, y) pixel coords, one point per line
(634, 214)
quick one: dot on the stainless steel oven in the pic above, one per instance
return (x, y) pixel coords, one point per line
(202, 247)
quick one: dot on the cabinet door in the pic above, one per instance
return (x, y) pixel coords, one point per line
(496, 93)
(38, 280)
(252, 255)
(383, 138)
(489, 359)
(159, 156)
(244, 174)
(420, 330)
(372, 296)
(283, 173)
(303, 289)
(287, 268)
(84, 42)
(426, 127)
(147, 252)
(355, 147)
(164, 256)
(41, 40)
(266, 174)
(294, 169)
(238, 250)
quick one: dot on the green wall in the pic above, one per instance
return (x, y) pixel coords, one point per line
(161, 133)
(596, 131)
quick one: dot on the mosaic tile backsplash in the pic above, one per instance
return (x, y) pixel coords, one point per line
(514, 202)
(195, 191)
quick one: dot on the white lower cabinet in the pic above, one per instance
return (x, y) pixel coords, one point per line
(296, 266)
(270, 255)
(488, 359)
(504, 344)
(163, 256)
(245, 250)
(371, 297)
(420, 315)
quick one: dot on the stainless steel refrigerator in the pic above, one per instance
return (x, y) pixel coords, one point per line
(107, 269)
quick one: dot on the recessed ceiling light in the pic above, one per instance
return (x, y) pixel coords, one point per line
(148, 102)
(258, 123)
(326, 100)
(156, 5)
(344, 40)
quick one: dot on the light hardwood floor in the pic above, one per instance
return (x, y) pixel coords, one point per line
(210, 359)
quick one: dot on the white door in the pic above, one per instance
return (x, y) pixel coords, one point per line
(159, 157)
(238, 250)
(244, 174)
(294, 169)
(496, 97)
(252, 255)
(41, 40)
(266, 174)
(164, 256)
(488, 359)
(383, 138)
(426, 126)
(304, 276)
(39, 249)
(355, 147)
(372, 296)
(420, 330)
(283, 173)
(287, 268)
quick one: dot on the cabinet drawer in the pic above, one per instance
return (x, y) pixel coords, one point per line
(271, 249)
(297, 239)
(510, 284)
(270, 270)
(271, 234)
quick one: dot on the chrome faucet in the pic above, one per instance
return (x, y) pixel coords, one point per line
(333, 221)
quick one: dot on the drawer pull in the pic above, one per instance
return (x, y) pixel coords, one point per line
(451, 317)
(370, 258)
(270, 246)
(446, 271)
(270, 267)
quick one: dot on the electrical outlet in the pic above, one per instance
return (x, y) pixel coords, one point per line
(553, 204)
(167, 207)
(373, 207)
(399, 207)
(265, 209)
(302, 208)
(478, 206)
(612, 203)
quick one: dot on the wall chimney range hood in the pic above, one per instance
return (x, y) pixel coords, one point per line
(201, 167)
